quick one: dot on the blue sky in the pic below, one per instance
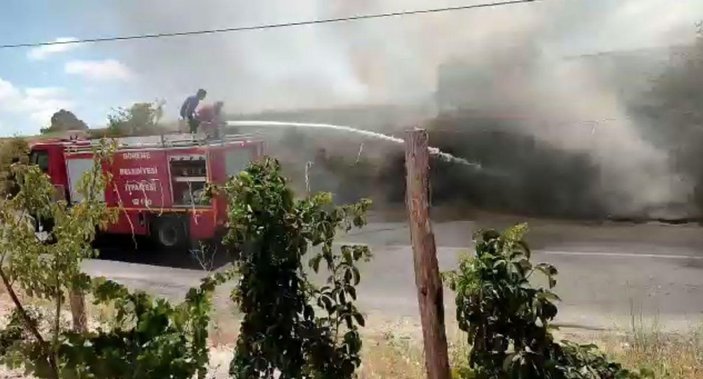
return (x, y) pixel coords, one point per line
(36, 82)
(392, 60)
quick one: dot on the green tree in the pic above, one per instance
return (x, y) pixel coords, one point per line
(12, 150)
(149, 338)
(47, 268)
(158, 107)
(508, 321)
(64, 120)
(139, 119)
(270, 236)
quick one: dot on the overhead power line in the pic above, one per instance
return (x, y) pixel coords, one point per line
(266, 26)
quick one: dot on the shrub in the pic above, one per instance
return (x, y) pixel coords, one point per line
(138, 120)
(150, 338)
(507, 320)
(270, 235)
(12, 150)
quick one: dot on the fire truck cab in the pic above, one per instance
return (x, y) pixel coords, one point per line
(158, 182)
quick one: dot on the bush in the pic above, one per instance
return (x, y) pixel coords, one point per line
(138, 120)
(270, 235)
(149, 338)
(507, 320)
(11, 150)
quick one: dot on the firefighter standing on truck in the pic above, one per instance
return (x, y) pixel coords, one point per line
(210, 119)
(188, 110)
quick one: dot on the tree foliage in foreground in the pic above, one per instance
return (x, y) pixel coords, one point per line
(289, 324)
(508, 320)
(149, 338)
(12, 150)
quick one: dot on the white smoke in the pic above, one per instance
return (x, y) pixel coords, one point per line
(635, 175)
(395, 60)
(365, 61)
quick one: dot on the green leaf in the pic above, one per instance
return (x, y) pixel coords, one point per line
(315, 262)
(327, 302)
(552, 282)
(548, 295)
(347, 254)
(352, 292)
(358, 252)
(359, 319)
(308, 312)
(547, 269)
(355, 275)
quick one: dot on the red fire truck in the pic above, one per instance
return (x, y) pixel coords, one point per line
(159, 181)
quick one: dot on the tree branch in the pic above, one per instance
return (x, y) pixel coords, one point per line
(57, 321)
(29, 323)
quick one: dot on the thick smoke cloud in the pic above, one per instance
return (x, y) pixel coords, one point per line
(518, 50)
(369, 61)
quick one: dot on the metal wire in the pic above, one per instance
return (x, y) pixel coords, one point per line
(266, 26)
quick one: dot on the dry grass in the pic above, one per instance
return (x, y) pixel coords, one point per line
(224, 329)
(397, 352)
(645, 345)
(670, 356)
(387, 356)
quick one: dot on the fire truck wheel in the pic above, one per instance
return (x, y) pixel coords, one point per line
(170, 232)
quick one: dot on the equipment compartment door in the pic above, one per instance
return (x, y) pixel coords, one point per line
(189, 176)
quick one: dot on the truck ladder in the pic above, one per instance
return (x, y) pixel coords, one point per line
(162, 141)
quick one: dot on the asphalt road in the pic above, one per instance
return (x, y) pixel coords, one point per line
(608, 273)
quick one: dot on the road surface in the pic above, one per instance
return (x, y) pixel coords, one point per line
(608, 273)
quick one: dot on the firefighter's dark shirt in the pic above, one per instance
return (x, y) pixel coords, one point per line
(188, 107)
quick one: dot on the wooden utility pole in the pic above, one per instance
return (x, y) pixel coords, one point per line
(427, 280)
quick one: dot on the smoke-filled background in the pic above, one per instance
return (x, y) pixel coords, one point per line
(562, 100)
